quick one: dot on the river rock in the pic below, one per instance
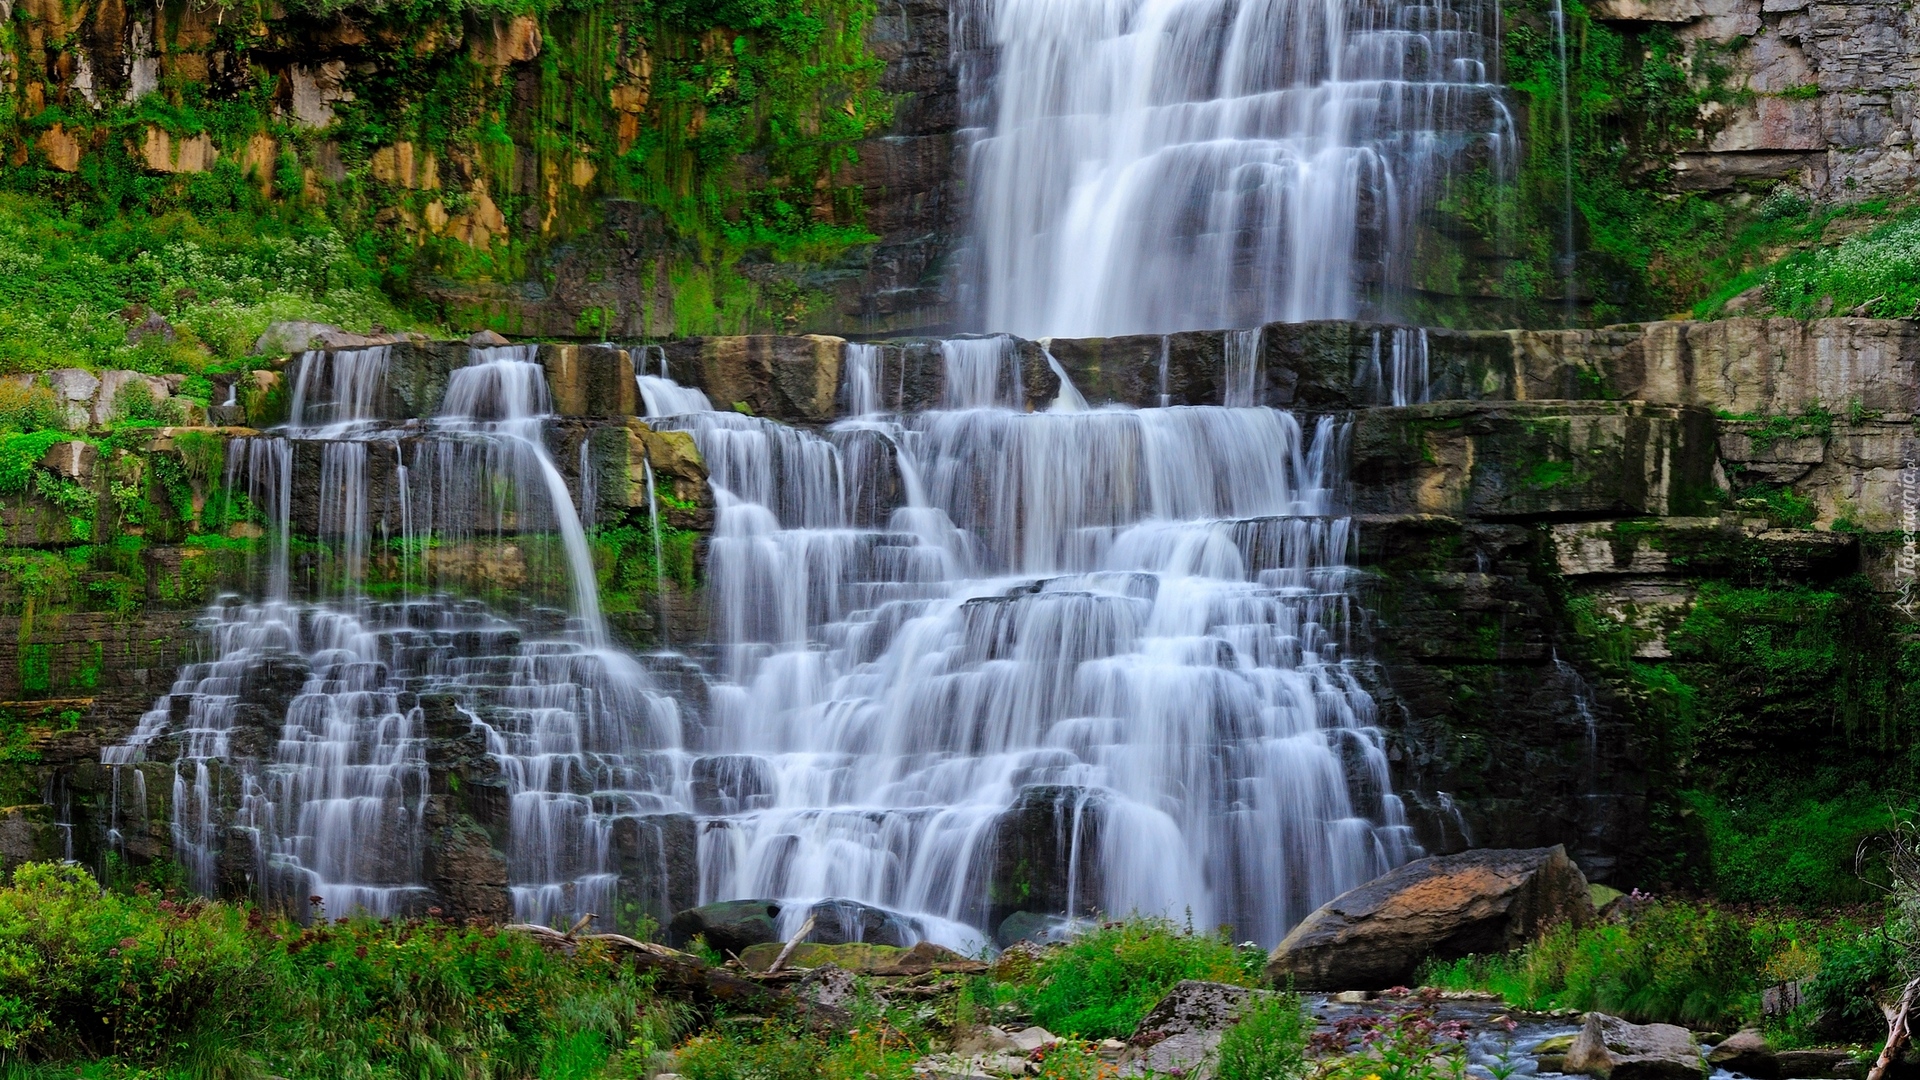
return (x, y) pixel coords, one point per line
(1819, 1064)
(1450, 906)
(731, 926)
(1613, 1049)
(1183, 1030)
(1745, 1052)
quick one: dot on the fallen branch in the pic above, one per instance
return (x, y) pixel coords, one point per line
(686, 976)
(792, 944)
(1898, 1031)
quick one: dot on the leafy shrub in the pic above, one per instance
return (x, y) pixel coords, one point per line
(1101, 983)
(1853, 972)
(30, 407)
(1269, 1042)
(776, 1051)
(1668, 961)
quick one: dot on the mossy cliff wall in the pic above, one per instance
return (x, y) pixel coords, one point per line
(625, 169)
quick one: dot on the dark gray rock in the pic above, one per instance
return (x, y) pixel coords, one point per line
(730, 926)
(838, 922)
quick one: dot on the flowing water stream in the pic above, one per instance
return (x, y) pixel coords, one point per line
(1144, 167)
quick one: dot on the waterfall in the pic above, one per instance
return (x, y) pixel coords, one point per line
(964, 663)
(299, 749)
(1124, 629)
(1144, 168)
(1397, 369)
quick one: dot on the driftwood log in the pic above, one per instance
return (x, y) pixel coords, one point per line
(1899, 1030)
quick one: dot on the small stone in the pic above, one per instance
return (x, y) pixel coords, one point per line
(486, 338)
(1027, 1040)
(1110, 1050)
(1351, 997)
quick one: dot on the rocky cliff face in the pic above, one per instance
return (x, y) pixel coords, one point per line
(1824, 92)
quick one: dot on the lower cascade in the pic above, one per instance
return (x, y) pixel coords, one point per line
(964, 664)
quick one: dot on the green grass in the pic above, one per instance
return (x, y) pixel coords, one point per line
(1876, 272)
(1268, 1042)
(135, 982)
(1101, 983)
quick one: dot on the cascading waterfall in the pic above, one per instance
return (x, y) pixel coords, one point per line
(1109, 638)
(1145, 168)
(1131, 620)
(302, 740)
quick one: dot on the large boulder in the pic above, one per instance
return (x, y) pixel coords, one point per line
(1612, 1049)
(1450, 906)
(731, 926)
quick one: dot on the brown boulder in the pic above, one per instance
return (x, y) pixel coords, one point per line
(1446, 907)
(1612, 1049)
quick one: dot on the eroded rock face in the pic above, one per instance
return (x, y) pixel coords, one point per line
(1612, 1049)
(1375, 936)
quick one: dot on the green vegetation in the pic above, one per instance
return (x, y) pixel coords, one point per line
(138, 981)
(1758, 672)
(1876, 273)
(79, 280)
(730, 122)
(1269, 1042)
(1101, 983)
(1670, 961)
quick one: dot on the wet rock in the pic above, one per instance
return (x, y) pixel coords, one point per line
(1534, 460)
(1612, 1049)
(731, 926)
(791, 379)
(839, 922)
(466, 873)
(1450, 906)
(1746, 1052)
(1045, 849)
(1032, 926)
(589, 380)
(657, 859)
(731, 783)
(1551, 1054)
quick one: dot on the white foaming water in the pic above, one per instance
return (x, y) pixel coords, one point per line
(664, 397)
(1145, 167)
(1127, 622)
(1396, 371)
(303, 740)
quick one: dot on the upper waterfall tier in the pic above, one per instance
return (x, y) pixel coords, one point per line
(1151, 167)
